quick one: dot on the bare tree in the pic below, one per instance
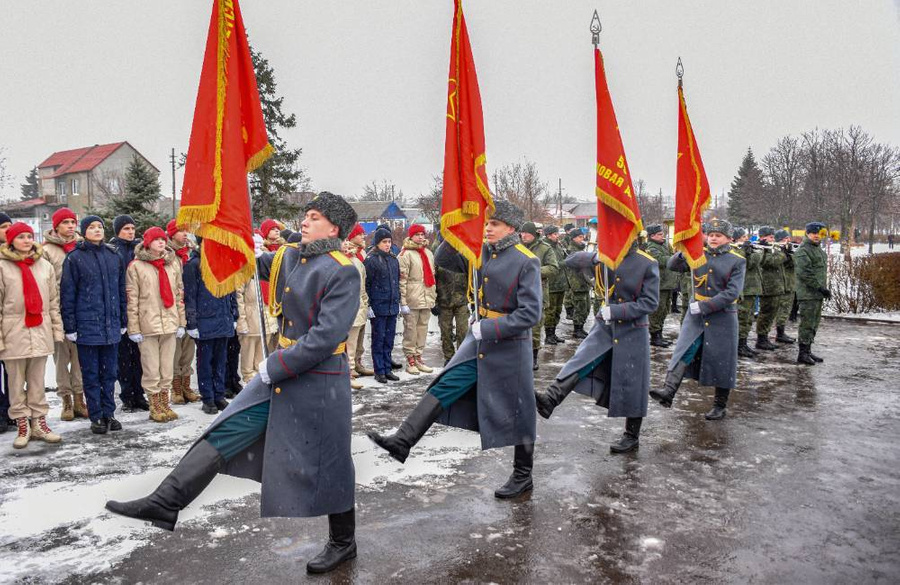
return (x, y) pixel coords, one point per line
(520, 183)
(384, 190)
(430, 203)
(6, 179)
(783, 169)
(879, 184)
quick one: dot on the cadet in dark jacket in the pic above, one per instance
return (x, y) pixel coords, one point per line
(129, 355)
(383, 288)
(211, 322)
(549, 269)
(772, 272)
(558, 287)
(783, 239)
(452, 298)
(811, 266)
(612, 365)
(290, 427)
(488, 386)
(668, 281)
(93, 306)
(752, 288)
(706, 349)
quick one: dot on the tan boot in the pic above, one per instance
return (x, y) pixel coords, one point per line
(156, 413)
(79, 407)
(363, 370)
(420, 365)
(177, 396)
(21, 440)
(164, 405)
(356, 385)
(411, 365)
(67, 410)
(189, 394)
(41, 432)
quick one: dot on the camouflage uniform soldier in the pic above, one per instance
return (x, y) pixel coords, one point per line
(580, 288)
(566, 242)
(549, 269)
(668, 281)
(559, 285)
(752, 289)
(783, 239)
(772, 268)
(452, 306)
(811, 265)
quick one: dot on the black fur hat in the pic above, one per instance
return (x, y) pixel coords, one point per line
(509, 214)
(654, 228)
(336, 209)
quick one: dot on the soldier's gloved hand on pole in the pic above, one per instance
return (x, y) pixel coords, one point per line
(695, 308)
(476, 330)
(258, 245)
(179, 333)
(264, 372)
(606, 313)
(137, 338)
(404, 310)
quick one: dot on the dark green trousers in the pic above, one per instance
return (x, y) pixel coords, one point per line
(768, 310)
(810, 315)
(658, 317)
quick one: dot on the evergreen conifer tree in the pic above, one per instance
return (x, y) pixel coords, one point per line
(139, 199)
(31, 188)
(746, 194)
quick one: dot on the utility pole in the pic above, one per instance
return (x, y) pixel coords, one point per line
(172, 159)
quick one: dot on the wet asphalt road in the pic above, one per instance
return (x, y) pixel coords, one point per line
(799, 484)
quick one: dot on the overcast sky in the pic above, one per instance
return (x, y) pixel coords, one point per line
(368, 80)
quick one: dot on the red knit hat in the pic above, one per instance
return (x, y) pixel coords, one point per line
(61, 214)
(172, 228)
(269, 225)
(356, 231)
(416, 229)
(16, 229)
(153, 233)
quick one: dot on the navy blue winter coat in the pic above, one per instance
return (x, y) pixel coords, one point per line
(92, 294)
(125, 249)
(383, 283)
(214, 317)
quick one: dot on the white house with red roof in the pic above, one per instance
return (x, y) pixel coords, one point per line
(84, 177)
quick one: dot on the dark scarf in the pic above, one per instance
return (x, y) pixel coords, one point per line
(319, 247)
(505, 242)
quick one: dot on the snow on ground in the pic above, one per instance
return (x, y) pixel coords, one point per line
(862, 250)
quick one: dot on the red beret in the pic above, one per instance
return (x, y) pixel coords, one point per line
(61, 214)
(416, 229)
(269, 225)
(153, 233)
(356, 231)
(16, 229)
(172, 228)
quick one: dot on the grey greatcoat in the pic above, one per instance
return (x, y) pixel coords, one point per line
(718, 283)
(303, 460)
(501, 405)
(621, 382)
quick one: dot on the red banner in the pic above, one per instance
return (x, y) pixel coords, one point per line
(618, 214)
(228, 140)
(692, 194)
(466, 201)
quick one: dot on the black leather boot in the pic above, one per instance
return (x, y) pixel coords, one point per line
(673, 380)
(535, 365)
(555, 394)
(657, 340)
(744, 349)
(783, 337)
(815, 358)
(803, 356)
(549, 337)
(579, 332)
(341, 545)
(520, 480)
(762, 342)
(718, 410)
(190, 477)
(556, 337)
(411, 430)
(629, 440)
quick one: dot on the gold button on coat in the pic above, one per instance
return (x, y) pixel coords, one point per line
(481, 356)
(287, 289)
(277, 390)
(303, 261)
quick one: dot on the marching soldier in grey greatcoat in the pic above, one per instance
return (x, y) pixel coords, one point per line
(290, 427)
(488, 386)
(612, 365)
(706, 349)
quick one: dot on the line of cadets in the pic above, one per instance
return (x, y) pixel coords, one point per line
(290, 429)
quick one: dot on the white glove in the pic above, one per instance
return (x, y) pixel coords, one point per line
(476, 330)
(404, 309)
(72, 337)
(596, 258)
(695, 308)
(235, 325)
(258, 245)
(606, 312)
(179, 333)
(264, 372)
(137, 338)
(194, 333)
(123, 330)
(246, 332)
(371, 313)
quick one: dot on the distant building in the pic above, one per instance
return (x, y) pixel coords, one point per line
(35, 212)
(82, 178)
(371, 214)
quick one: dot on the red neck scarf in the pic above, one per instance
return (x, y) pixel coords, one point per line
(426, 268)
(184, 253)
(165, 289)
(272, 247)
(69, 246)
(34, 304)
